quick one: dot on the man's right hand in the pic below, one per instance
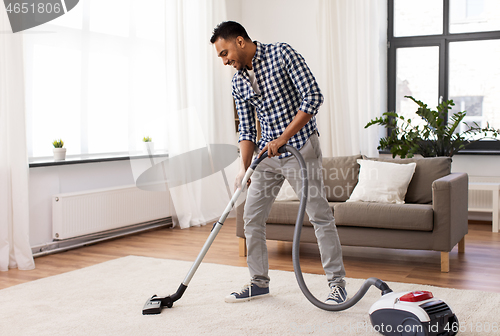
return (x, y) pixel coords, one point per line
(246, 152)
(239, 178)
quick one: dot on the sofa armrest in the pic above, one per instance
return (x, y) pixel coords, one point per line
(450, 205)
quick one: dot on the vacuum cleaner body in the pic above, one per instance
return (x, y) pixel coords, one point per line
(413, 313)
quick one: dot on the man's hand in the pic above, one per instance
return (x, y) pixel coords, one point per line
(272, 147)
(239, 178)
(299, 121)
(246, 152)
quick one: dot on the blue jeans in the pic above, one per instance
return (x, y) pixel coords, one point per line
(266, 183)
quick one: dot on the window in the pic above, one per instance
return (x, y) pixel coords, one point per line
(448, 49)
(96, 78)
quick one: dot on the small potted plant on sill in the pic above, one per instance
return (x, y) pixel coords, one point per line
(149, 145)
(59, 151)
(435, 138)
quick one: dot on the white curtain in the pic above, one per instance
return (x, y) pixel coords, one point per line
(15, 248)
(352, 39)
(199, 104)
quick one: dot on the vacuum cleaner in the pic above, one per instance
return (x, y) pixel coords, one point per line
(415, 313)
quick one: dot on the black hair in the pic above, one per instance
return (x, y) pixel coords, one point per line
(228, 30)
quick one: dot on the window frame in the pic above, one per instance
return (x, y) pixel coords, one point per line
(443, 42)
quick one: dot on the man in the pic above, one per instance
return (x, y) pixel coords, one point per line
(274, 81)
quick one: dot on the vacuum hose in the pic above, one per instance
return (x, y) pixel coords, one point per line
(296, 248)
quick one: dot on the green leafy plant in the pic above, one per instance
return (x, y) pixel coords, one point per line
(147, 139)
(435, 138)
(58, 143)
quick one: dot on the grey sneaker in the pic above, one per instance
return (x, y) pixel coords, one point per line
(337, 295)
(247, 293)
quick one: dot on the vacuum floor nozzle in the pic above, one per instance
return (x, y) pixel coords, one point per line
(155, 304)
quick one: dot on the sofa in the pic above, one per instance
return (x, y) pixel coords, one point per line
(432, 217)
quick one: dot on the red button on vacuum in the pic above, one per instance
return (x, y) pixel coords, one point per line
(417, 296)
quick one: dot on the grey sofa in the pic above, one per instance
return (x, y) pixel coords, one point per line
(434, 216)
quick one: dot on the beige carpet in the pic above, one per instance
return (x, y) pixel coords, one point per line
(107, 299)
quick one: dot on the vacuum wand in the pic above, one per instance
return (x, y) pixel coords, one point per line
(155, 304)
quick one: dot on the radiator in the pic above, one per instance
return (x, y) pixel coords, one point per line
(481, 200)
(92, 211)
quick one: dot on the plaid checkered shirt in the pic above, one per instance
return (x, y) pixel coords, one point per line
(286, 86)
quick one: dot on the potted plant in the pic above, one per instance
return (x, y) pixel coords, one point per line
(435, 138)
(149, 145)
(59, 151)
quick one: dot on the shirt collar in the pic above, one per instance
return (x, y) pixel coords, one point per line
(259, 52)
(257, 57)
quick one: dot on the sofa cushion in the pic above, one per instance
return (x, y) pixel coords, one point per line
(383, 182)
(340, 175)
(417, 217)
(427, 171)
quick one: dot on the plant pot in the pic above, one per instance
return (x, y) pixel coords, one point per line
(150, 148)
(59, 154)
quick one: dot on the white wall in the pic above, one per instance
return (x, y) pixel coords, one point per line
(233, 10)
(477, 165)
(291, 21)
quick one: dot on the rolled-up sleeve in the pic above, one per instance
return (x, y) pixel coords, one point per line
(246, 118)
(304, 80)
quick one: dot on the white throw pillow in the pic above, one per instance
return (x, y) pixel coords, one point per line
(286, 193)
(382, 182)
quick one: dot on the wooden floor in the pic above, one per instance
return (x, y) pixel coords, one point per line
(478, 268)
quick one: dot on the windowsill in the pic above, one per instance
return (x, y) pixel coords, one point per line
(462, 152)
(483, 147)
(92, 158)
(478, 152)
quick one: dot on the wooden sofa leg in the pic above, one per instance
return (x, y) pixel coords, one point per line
(445, 262)
(243, 247)
(461, 245)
